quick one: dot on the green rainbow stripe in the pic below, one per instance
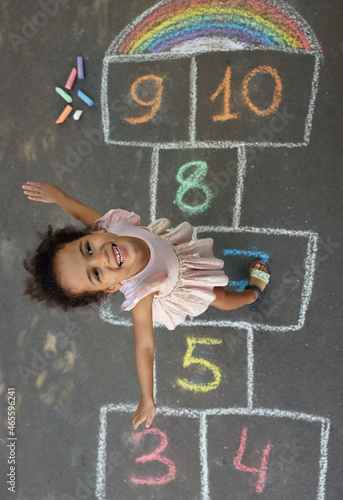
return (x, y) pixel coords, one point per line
(250, 22)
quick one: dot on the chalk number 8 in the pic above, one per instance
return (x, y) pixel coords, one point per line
(191, 176)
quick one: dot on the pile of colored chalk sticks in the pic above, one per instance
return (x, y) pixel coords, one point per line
(80, 74)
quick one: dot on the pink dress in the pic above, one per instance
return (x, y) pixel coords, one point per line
(181, 272)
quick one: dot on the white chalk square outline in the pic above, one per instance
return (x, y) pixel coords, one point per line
(309, 269)
(192, 142)
(100, 491)
(249, 369)
(106, 313)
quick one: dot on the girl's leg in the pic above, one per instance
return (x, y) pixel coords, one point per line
(227, 300)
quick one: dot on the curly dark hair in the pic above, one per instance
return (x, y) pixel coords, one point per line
(43, 284)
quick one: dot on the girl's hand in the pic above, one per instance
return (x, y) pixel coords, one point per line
(146, 410)
(46, 193)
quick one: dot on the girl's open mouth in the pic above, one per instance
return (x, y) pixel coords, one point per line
(118, 255)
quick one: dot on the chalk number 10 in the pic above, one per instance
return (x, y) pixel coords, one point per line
(225, 89)
(155, 84)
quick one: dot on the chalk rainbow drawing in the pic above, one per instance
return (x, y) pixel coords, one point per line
(185, 29)
(182, 26)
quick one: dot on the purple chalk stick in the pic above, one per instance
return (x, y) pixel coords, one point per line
(80, 68)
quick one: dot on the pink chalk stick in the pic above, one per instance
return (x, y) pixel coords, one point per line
(71, 79)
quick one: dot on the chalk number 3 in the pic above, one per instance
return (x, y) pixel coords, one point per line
(153, 457)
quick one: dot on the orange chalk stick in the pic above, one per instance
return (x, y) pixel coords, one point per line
(65, 113)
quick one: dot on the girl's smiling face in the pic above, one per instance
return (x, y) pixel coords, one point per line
(99, 261)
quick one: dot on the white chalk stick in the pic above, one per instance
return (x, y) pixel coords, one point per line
(77, 114)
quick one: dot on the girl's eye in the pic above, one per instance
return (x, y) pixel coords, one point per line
(96, 274)
(88, 249)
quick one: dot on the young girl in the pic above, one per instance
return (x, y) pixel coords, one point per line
(164, 276)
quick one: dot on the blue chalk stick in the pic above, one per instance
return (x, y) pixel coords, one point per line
(85, 98)
(80, 68)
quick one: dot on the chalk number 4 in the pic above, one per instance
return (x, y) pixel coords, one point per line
(261, 471)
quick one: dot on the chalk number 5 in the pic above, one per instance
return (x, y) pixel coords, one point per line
(189, 359)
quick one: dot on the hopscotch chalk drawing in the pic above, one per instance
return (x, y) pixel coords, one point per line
(233, 61)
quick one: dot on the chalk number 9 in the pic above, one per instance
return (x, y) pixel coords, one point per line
(154, 104)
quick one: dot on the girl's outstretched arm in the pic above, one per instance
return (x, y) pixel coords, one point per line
(49, 193)
(144, 348)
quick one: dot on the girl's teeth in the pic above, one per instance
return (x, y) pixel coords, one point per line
(119, 257)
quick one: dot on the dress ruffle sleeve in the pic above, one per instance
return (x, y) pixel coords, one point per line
(114, 217)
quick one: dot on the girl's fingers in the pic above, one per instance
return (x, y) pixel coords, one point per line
(137, 421)
(31, 191)
(149, 421)
(32, 196)
(34, 186)
(28, 185)
(34, 183)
